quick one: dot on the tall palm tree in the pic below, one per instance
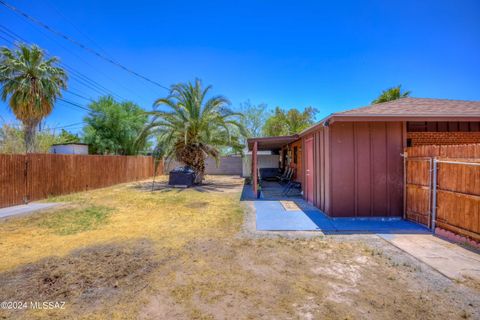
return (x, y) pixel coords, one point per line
(32, 84)
(194, 126)
(391, 94)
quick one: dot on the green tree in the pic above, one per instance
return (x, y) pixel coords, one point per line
(68, 137)
(254, 117)
(12, 136)
(31, 84)
(194, 126)
(283, 123)
(391, 94)
(113, 127)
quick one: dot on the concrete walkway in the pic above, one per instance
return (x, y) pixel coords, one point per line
(272, 216)
(26, 209)
(449, 259)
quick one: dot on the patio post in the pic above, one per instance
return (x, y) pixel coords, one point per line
(254, 168)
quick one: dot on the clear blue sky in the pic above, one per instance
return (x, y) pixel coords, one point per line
(332, 55)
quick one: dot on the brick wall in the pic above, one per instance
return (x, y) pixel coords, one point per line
(443, 138)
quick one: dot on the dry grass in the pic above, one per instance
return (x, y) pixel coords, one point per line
(165, 217)
(125, 252)
(98, 279)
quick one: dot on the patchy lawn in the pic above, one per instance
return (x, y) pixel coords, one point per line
(125, 252)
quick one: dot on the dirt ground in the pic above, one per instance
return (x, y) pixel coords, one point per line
(192, 254)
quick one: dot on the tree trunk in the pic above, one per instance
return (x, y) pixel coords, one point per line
(199, 177)
(29, 137)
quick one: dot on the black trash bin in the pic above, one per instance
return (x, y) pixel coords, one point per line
(182, 177)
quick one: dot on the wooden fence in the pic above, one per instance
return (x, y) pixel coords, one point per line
(31, 177)
(443, 187)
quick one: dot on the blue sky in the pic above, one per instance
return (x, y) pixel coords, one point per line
(332, 55)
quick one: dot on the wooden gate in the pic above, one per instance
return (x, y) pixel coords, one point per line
(442, 188)
(418, 190)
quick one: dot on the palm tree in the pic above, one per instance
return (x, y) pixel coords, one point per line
(32, 84)
(194, 127)
(391, 94)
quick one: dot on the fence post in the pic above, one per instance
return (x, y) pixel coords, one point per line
(25, 177)
(434, 195)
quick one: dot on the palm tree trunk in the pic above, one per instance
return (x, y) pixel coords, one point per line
(199, 177)
(29, 137)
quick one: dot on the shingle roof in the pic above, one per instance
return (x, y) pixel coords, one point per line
(408, 109)
(418, 107)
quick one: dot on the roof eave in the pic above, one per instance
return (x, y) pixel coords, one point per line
(393, 117)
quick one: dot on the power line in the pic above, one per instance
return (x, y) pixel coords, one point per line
(79, 44)
(76, 28)
(67, 125)
(73, 103)
(66, 90)
(90, 83)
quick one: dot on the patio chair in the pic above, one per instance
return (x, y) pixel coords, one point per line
(292, 185)
(284, 175)
(288, 177)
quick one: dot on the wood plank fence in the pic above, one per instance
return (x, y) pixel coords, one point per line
(443, 188)
(25, 178)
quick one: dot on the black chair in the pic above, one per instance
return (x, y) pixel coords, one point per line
(284, 175)
(292, 185)
(288, 177)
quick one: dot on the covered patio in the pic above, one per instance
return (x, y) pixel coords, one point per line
(264, 185)
(278, 210)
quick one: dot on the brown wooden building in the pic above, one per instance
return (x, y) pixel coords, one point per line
(350, 163)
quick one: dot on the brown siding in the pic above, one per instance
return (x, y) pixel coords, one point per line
(363, 168)
(299, 163)
(366, 169)
(343, 169)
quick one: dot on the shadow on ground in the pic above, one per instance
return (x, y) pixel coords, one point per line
(215, 184)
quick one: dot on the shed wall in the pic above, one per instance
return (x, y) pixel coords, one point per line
(366, 169)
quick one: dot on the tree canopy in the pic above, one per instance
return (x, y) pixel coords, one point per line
(113, 127)
(194, 125)
(391, 94)
(254, 117)
(284, 122)
(68, 137)
(31, 83)
(12, 136)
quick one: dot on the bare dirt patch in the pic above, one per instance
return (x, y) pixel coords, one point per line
(300, 279)
(86, 280)
(197, 263)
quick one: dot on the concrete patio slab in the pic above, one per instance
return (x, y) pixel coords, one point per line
(449, 259)
(26, 209)
(272, 216)
(378, 225)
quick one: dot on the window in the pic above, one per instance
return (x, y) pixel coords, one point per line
(295, 152)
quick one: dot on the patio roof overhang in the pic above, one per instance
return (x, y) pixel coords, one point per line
(271, 143)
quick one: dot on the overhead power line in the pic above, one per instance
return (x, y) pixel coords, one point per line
(76, 75)
(73, 104)
(79, 44)
(68, 125)
(76, 27)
